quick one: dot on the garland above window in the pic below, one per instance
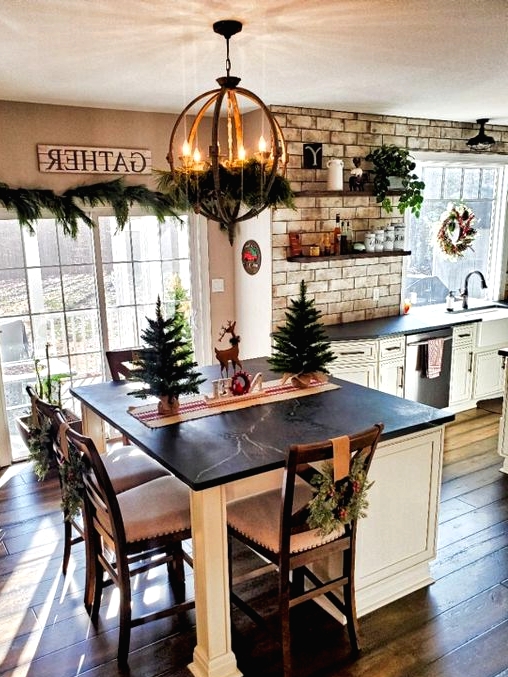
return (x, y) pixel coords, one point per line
(456, 232)
(31, 204)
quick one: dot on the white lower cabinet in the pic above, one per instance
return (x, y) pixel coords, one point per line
(355, 361)
(462, 367)
(391, 365)
(376, 364)
(502, 444)
(391, 377)
(488, 375)
(364, 375)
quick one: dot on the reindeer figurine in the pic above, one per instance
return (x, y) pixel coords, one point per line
(229, 354)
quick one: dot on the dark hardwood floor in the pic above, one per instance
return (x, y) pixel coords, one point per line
(457, 627)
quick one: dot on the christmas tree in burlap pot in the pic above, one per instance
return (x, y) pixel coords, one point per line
(301, 350)
(166, 361)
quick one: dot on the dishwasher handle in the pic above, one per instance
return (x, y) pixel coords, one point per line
(426, 343)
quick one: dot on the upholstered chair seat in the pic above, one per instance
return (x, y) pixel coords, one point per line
(147, 519)
(129, 466)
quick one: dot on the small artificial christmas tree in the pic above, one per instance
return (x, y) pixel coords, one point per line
(166, 364)
(301, 349)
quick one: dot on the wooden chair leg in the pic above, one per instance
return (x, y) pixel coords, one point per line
(90, 573)
(124, 639)
(351, 618)
(67, 545)
(285, 632)
(176, 573)
(97, 594)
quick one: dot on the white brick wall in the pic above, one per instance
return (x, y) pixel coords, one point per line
(343, 288)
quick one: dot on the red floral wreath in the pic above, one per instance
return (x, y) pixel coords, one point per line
(240, 383)
(456, 233)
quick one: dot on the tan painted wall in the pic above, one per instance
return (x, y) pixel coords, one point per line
(24, 125)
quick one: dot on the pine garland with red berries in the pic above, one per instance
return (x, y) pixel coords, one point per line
(337, 504)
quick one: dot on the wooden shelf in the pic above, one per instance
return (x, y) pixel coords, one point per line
(368, 192)
(354, 255)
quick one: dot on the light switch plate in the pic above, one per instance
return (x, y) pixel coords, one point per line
(217, 284)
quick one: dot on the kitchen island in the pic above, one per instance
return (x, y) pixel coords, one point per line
(237, 452)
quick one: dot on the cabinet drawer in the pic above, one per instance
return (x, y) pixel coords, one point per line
(391, 348)
(464, 336)
(351, 351)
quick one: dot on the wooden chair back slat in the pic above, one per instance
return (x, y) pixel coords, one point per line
(117, 362)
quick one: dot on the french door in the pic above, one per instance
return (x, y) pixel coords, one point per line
(78, 297)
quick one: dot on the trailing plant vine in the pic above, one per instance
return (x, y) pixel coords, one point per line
(390, 160)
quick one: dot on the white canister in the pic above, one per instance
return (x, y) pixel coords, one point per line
(335, 174)
(389, 238)
(380, 240)
(399, 236)
(370, 242)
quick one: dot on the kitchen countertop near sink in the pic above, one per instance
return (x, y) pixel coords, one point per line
(424, 318)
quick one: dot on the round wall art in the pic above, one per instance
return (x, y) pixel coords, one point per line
(251, 257)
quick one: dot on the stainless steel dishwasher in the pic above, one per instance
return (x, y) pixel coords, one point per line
(417, 386)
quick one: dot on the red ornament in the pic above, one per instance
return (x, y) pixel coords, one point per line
(240, 383)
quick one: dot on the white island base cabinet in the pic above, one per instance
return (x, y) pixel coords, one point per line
(502, 444)
(397, 540)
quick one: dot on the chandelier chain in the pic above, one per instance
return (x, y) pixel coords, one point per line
(228, 60)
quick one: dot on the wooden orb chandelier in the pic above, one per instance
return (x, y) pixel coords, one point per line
(213, 167)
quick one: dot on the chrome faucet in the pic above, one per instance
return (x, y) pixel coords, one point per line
(465, 291)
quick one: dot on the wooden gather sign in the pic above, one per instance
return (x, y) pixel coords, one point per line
(91, 160)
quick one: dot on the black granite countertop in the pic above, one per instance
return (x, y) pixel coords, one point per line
(424, 318)
(210, 451)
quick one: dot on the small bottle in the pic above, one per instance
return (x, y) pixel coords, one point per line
(336, 241)
(327, 246)
(343, 239)
(450, 301)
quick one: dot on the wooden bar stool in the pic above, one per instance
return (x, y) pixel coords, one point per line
(274, 525)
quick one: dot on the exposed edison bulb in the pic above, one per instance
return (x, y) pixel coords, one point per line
(262, 144)
(241, 153)
(197, 155)
(186, 149)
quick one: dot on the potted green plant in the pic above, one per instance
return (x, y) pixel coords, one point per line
(392, 161)
(36, 434)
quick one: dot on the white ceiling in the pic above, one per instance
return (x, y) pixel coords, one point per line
(443, 59)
